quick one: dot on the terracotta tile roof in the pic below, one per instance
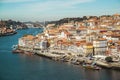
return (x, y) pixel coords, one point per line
(115, 35)
(88, 44)
(112, 47)
(53, 31)
(95, 29)
(82, 28)
(118, 42)
(68, 33)
(64, 41)
(29, 37)
(110, 41)
(101, 39)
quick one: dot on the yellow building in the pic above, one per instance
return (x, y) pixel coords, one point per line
(88, 49)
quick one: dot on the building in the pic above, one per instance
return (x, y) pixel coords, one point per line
(27, 41)
(88, 49)
(100, 46)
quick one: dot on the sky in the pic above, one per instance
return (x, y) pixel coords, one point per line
(47, 10)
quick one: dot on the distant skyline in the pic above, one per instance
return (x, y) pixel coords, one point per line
(47, 10)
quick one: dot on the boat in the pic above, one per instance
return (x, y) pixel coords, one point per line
(17, 51)
(14, 47)
(94, 67)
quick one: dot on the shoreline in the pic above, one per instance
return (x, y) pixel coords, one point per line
(8, 34)
(76, 60)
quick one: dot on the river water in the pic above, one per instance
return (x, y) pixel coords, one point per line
(24, 67)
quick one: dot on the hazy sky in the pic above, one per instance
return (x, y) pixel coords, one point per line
(40, 10)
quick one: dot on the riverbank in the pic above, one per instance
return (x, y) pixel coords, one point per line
(110, 65)
(18, 66)
(8, 33)
(67, 56)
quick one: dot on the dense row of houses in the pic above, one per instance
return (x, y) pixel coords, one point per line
(90, 37)
(10, 26)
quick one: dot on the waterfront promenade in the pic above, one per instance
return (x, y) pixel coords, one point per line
(72, 57)
(78, 42)
(34, 67)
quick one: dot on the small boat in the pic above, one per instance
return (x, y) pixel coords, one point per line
(17, 51)
(94, 67)
(14, 47)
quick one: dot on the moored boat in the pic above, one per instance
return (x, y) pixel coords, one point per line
(94, 67)
(17, 51)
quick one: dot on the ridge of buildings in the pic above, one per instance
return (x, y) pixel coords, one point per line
(90, 37)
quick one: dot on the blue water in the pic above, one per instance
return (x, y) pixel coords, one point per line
(24, 67)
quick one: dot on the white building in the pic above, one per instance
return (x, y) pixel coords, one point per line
(100, 46)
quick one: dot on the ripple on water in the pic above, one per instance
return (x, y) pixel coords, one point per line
(24, 67)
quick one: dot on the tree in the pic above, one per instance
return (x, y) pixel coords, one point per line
(108, 59)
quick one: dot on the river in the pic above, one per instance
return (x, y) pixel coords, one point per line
(24, 67)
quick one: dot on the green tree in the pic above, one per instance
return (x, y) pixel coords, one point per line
(108, 59)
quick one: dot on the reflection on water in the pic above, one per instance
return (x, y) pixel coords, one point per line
(24, 67)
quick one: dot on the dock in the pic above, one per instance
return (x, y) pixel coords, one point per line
(111, 65)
